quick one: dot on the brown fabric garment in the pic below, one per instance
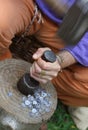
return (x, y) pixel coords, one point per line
(72, 85)
(15, 16)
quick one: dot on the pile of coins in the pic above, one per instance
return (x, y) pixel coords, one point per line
(38, 104)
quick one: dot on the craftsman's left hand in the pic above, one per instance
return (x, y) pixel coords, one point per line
(41, 70)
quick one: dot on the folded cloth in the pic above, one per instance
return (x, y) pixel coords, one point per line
(79, 116)
(6, 55)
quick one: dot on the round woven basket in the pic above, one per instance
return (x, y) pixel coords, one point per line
(10, 72)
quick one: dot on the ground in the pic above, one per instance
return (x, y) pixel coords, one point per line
(61, 120)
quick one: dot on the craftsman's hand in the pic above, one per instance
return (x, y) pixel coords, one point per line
(41, 70)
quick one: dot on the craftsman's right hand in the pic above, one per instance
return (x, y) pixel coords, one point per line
(41, 70)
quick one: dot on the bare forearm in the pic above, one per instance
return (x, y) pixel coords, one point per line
(65, 59)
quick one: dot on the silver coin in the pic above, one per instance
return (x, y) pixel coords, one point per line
(27, 102)
(34, 111)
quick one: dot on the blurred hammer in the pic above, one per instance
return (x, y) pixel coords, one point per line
(75, 21)
(58, 7)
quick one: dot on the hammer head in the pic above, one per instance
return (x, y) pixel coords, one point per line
(75, 23)
(59, 7)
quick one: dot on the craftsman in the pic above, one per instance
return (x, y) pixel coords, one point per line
(69, 73)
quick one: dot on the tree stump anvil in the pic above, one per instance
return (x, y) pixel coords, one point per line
(12, 115)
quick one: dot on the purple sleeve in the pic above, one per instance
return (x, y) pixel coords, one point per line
(80, 51)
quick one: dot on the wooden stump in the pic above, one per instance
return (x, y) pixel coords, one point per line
(12, 115)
